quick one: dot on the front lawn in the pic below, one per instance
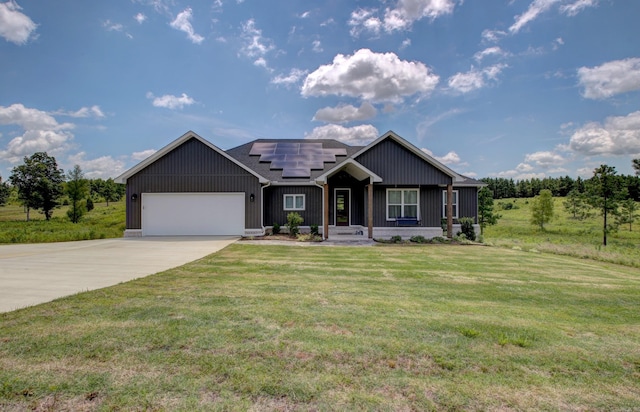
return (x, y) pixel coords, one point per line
(258, 327)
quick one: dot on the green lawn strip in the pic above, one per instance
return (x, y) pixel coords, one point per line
(100, 223)
(313, 328)
(564, 235)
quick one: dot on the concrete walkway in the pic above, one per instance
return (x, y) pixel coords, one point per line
(36, 273)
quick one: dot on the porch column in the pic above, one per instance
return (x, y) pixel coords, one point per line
(370, 210)
(449, 210)
(325, 211)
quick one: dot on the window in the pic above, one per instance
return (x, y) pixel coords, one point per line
(402, 203)
(293, 202)
(454, 204)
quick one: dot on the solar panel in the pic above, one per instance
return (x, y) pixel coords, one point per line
(295, 159)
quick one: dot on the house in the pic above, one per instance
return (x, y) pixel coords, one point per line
(387, 188)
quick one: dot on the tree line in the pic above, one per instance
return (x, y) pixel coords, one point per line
(39, 184)
(503, 188)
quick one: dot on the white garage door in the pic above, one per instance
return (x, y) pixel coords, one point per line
(177, 214)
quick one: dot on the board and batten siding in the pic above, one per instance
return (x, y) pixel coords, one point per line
(399, 166)
(274, 204)
(430, 206)
(193, 167)
(467, 202)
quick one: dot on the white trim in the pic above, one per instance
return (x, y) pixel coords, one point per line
(347, 164)
(335, 205)
(402, 202)
(168, 148)
(294, 195)
(456, 196)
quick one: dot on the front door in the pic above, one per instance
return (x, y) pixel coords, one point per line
(342, 207)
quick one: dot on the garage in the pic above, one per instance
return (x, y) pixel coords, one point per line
(192, 214)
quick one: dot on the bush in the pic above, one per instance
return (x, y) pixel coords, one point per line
(89, 204)
(418, 239)
(314, 230)
(294, 220)
(467, 228)
(396, 239)
(276, 228)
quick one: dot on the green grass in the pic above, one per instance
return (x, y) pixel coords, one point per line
(563, 235)
(100, 223)
(337, 328)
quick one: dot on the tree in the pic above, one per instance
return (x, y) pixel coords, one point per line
(576, 205)
(5, 190)
(110, 191)
(485, 209)
(39, 183)
(628, 213)
(77, 190)
(542, 208)
(636, 166)
(604, 193)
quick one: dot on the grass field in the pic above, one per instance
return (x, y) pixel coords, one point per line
(563, 235)
(337, 328)
(100, 223)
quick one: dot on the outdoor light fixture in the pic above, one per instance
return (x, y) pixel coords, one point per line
(134, 197)
(252, 197)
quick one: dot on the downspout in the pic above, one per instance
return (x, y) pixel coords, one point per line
(262, 206)
(324, 235)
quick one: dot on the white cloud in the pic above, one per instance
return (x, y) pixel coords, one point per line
(41, 132)
(170, 101)
(475, 79)
(466, 82)
(370, 76)
(364, 20)
(545, 159)
(15, 26)
(345, 113)
(576, 7)
(611, 78)
(102, 167)
(255, 45)
(140, 18)
(356, 136)
(400, 17)
(317, 46)
(182, 22)
(490, 51)
(110, 26)
(405, 43)
(142, 155)
(536, 8)
(94, 111)
(294, 76)
(620, 135)
(492, 36)
(451, 158)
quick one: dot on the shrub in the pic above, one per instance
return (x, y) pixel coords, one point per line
(89, 204)
(314, 230)
(294, 220)
(418, 239)
(276, 228)
(396, 239)
(466, 226)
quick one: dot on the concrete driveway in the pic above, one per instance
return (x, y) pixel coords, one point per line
(36, 273)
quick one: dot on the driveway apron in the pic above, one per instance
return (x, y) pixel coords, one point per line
(36, 273)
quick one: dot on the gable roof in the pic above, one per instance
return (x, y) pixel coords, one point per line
(176, 143)
(457, 178)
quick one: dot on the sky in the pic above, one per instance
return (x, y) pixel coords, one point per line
(493, 88)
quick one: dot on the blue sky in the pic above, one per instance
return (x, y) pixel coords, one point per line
(492, 88)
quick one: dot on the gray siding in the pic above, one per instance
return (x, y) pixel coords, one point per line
(344, 180)
(193, 167)
(274, 204)
(468, 202)
(399, 166)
